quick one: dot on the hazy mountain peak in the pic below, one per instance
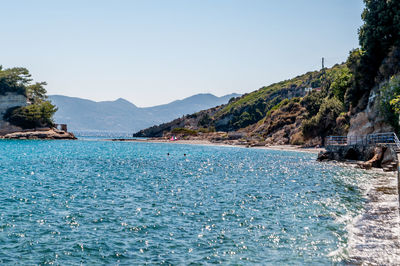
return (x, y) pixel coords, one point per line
(123, 116)
(123, 101)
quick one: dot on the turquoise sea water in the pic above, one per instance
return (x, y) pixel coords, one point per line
(99, 202)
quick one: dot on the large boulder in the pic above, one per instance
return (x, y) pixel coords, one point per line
(389, 157)
(376, 160)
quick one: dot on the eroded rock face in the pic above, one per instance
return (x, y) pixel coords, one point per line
(370, 120)
(376, 160)
(10, 100)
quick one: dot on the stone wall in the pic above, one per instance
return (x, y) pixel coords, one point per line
(356, 152)
(7, 101)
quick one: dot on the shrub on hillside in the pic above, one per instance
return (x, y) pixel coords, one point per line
(341, 81)
(204, 121)
(390, 101)
(312, 102)
(324, 122)
(184, 131)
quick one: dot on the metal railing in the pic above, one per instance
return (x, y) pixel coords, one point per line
(335, 140)
(397, 141)
(371, 139)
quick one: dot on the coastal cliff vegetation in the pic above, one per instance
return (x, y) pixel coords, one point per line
(305, 109)
(38, 111)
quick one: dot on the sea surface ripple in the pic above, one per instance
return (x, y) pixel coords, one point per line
(100, 202)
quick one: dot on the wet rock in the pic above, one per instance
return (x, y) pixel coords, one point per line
(325, 156)
(376, 159)
(381, 156)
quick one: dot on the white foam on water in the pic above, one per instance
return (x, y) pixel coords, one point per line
(374, 234)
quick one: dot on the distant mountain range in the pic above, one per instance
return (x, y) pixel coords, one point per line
(123, 116)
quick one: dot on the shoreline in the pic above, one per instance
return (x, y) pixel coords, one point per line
(209, 143)
(373, 235)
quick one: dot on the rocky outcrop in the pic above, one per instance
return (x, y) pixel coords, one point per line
(375, 161)
(45, 133)
(389, 158)
(370, 120)
(368, 156)
(9, 131)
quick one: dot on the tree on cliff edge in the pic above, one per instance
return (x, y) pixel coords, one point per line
(39, 112)
(378, 36)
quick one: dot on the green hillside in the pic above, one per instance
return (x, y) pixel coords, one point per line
(250, 112)
(253, 107)
(284, 112)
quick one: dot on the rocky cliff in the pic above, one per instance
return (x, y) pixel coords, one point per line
(371, 120)
(8, 131)
(7, 101)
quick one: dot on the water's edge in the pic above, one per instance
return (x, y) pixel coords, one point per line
(99, 201)
(374, 234)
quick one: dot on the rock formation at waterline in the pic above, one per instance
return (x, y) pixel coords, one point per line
(43, 133)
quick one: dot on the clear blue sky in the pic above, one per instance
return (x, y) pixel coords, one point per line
(152, 52)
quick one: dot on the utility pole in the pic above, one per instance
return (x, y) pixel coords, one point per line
(323, 76)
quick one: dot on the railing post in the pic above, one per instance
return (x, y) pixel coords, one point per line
(369, 139)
